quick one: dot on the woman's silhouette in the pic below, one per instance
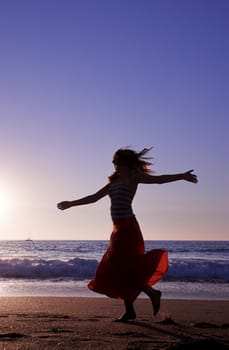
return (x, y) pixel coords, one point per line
(125, 269)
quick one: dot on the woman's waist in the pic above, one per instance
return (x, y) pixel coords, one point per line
(124, 220)
(126, 225)
(121, 212)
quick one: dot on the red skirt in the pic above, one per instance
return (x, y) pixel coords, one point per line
(125, 267)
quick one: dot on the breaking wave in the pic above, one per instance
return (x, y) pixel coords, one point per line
(83, 269)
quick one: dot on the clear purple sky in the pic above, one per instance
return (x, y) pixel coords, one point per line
(81, 78)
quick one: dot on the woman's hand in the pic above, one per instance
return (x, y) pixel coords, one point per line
(188, 176)
(64, 205)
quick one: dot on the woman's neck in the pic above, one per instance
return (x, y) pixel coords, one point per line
(124, 173)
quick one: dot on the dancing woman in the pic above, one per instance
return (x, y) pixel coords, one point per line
(125, 269)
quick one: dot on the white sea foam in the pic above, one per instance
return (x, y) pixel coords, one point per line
(78, 269)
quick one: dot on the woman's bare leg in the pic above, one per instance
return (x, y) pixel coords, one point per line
(129, 314)
(155, 297)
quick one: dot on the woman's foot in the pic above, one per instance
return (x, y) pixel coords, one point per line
(127, 316)
(155, 297)
(156, 301)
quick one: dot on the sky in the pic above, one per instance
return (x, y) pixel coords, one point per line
(80, 79)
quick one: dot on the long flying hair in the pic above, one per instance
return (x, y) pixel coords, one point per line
(133, 160)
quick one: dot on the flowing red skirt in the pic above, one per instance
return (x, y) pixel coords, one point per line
(125, 267)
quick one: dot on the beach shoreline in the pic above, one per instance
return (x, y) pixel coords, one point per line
(89, 323)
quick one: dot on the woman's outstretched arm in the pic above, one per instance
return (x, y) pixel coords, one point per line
(85, 200)
(161, 179)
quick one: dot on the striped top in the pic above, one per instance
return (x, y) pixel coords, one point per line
(121, 199)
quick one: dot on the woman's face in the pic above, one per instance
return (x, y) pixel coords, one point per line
(119, 163)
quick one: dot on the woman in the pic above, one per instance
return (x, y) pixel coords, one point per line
(125, 269)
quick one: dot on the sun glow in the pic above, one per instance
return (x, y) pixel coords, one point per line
(5, 203)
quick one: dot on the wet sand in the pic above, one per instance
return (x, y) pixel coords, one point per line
(39, 323)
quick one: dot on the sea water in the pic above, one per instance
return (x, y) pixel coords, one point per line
(197, 269)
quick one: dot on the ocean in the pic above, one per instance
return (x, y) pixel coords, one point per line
(197, 269)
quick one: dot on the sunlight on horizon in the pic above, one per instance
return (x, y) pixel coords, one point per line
(6, 201)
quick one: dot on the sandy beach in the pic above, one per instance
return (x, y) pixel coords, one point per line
(90, 323)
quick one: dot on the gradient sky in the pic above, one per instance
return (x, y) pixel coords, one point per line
(82, 78)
